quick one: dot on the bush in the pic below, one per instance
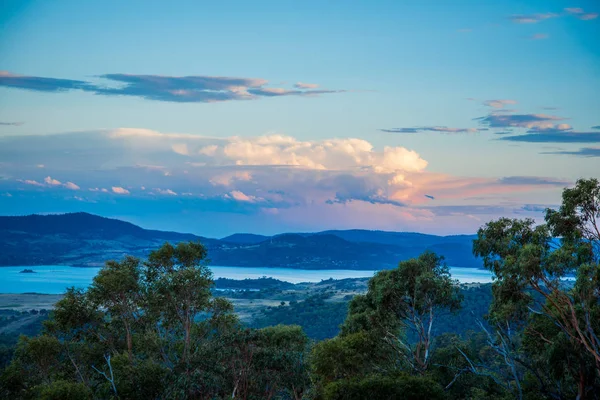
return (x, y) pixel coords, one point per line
(378, 387)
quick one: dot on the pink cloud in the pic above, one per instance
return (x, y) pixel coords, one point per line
(52, 182)
(119, 190)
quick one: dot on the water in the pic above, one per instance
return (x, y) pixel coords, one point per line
(54, 279)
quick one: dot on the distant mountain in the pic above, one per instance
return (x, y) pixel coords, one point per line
(245, 238)
(88, 240)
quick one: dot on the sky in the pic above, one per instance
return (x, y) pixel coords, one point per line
(285, 116)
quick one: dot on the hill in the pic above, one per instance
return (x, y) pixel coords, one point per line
(87, 240)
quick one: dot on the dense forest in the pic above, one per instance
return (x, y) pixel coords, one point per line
(154, 329)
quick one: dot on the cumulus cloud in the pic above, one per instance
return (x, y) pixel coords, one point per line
(180, 89)
(71, 186)
(31, 182)
(240, 196)
(52, 182)
(312, 180)
(167, 192)
(119, 190)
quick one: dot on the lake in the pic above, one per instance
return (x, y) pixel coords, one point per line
(54, 279)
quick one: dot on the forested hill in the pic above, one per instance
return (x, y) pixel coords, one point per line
(88, 240)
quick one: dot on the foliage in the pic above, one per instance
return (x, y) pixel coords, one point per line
(560, 319)
(319, 318)
(148, 330)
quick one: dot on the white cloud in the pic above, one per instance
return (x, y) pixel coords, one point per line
(168, 192)
(180, 148)
(304, 85)
(240, 196)
(52, 182)
(208, 150)
(499, 103)
(119, 190)
(71, 186)
(227, 178)
(31, 182)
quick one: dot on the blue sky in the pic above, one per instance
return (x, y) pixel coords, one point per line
(429, 116)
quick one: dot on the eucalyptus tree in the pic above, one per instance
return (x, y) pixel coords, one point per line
(547, 280)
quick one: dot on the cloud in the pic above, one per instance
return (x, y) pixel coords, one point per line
(302, 85)
(581, 14)
(240, 196)
(583, 152)
(555, 136)
(119, 190)
(41, 84)
(10, 123)
(532, 18)
(314, 182)
(498, 103)
(52, 182)
(532, 180)
(540, 128)
(529, 121)
(180, 89)
(574, 10)
(539, 36)
(596, 127)
(167, 192)
(441, 129)
(31, 182)
(71, 186)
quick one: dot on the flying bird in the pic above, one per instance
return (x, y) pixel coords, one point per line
(430, 197)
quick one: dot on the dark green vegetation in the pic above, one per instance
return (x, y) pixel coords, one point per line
(154, 329)
(87, 240)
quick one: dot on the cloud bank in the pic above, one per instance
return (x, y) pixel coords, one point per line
(303, 183)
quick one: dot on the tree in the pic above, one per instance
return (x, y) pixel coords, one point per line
(117, 289)
(532, 265)
(154, 330)
(388, 331)
(412, 296)
(178, 283)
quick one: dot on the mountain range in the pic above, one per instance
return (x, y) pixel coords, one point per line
(83, 239)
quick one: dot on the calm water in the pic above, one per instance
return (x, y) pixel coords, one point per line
(53, 279)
